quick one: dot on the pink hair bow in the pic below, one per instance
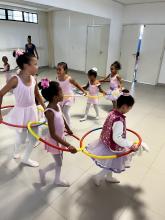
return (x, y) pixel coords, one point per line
(19, 52)
(45, 83)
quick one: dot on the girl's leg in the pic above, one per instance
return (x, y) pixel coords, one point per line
(28, 151)
(96, 110)
(109, 178)
(100, 176)
(65, 110)
(86, 112)
(20, 139)
(58, 181)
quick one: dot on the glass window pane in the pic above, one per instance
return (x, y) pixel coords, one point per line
(30, 17)
(17, 15)
(35, 18)
(2, 14)
(10, 15)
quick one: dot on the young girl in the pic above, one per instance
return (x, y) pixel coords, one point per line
(25, 90)
(52, 92)
(94, 88)
(6, 65)
(113, 141)
(66, 83)
(6, 68)
(115, 85)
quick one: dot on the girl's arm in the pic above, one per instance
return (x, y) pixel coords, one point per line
(77, 85)
(12, 83)
(67, 127)
(101, 90)
(105, 79)
(39, 97)
(117, 135)
(36, 53)
(50, 118)
(120, 81)
(86, 86)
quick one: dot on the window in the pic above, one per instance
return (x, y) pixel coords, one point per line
(30, 17)
(15, 15)
(3, 14)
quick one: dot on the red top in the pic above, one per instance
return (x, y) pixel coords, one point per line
(107, 131)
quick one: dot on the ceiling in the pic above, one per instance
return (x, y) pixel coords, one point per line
(131, 2)
(26, 4)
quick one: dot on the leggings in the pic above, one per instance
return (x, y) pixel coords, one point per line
(95, 107)
(21, 139)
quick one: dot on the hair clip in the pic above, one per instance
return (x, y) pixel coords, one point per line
(95, 69)
(125, 94)
(45, 83)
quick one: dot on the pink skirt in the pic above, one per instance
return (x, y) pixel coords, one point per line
(113, 95)
(51, 149)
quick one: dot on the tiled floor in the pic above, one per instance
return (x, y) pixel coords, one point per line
(139, 196)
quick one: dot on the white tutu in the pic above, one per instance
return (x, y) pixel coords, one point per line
(22, 115)
(117, 165)
(113, 95)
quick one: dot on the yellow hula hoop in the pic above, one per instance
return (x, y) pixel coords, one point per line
(88, 96)
(82, 146)
(37, 137)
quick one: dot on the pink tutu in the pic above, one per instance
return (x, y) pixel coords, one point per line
(116, 165)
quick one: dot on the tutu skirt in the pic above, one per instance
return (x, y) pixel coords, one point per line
(113, 95)
(117, 165)
(51, 149)
(22, 115)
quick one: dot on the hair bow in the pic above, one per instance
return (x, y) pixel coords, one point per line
(45, 83)
(19, 52)
(95, 69)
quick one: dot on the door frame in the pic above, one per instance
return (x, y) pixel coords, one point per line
(87, 31)
(160, 65)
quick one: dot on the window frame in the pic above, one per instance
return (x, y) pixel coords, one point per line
(23, 16)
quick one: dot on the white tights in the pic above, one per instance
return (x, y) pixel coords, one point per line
(95, 107)
(55, 166)
(21, 139)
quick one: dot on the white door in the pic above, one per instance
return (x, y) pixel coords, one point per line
(151, 54)
(97, 48)
(128, 51)
(162, 70)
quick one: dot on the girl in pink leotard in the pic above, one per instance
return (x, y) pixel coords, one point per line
(67, 84)
(52, 92)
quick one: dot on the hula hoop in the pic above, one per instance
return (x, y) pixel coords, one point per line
(36, 136)
(14, 125)
(82, 146)
(88, 96)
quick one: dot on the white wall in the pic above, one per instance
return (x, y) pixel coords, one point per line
(104, 8)
(70, 37)
(144, 14)
(14, 35)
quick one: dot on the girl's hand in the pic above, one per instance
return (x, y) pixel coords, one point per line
(85, 93)
(72, 149)
(134, 147)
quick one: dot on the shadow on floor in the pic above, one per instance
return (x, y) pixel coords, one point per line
(107, 202)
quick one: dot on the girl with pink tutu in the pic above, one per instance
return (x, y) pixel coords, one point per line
(67, 84)
(25, 90)
(115, 84)
(94, 87)
(52, 92)
(113, 141)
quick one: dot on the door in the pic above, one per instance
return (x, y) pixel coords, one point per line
(97, 48)
(151, 54)
(129, 42)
